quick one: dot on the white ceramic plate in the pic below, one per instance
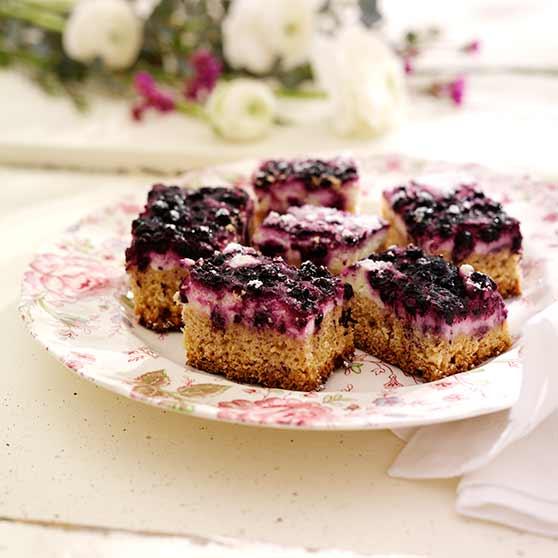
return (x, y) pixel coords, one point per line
(74, 301)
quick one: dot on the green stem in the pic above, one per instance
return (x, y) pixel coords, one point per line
(300, 93)
(192, 109)
(33, 15)
(283, 121)
(23, 57)
(58, 6)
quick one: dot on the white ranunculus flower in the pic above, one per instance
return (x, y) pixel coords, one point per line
(256, 33)
(244, 42)
(364, 80)
(242, 109)
(291, 24)
(105, 29)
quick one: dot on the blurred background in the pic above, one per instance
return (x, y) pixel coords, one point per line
(85, 83)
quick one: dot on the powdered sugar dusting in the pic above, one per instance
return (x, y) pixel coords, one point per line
(372, 265)
(242, 260)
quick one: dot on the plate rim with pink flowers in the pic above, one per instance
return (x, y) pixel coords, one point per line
(75, 301)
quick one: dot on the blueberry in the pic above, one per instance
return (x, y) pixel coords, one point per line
(445, 230)
(346, 318)
(223, 216)
(271, 249)
(413, 253)
(262, 318)
(254, 285)
(517, 242)
(463, 245)
(315, 252)
(350, 239)
(490, 233)
(325, 285)
(482, 280)
(399, 200)
(217, 319)
(160, 207)
(425, 199)
(387, 256)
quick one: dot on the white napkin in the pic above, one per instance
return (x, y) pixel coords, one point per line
(508, 460)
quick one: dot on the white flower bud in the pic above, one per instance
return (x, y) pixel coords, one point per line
(364, 80)
(256, 34)
(242, 109)
(105, 29)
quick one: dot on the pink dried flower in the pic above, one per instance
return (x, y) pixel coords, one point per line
(137, 111)
(453, 89)
(207, 69)
(408, 65)
(151, 96)
(472, 48)
(456, 90)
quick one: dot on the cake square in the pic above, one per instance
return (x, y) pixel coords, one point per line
(280, 184)
(322, 235)
(258, 320)
(424, 314)
(461, 224)
(179, 223)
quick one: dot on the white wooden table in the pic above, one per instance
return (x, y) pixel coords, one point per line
(113, 469)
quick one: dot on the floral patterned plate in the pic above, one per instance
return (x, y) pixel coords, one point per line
(75, 302)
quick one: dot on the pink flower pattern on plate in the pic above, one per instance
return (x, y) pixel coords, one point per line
(71, 276)
(275, 410)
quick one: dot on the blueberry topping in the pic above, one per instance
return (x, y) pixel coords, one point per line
(313, 173)
(315, 232)
(464, 214)
(418, 284)
(189, 223)
(268, 284)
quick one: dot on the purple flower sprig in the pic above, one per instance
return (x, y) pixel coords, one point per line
(151, 96)
(207, 70)
(413, 44)
(408, 65)
(453, 89)
(472, 47)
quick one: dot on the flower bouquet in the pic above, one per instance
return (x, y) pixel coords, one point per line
(224, 61)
